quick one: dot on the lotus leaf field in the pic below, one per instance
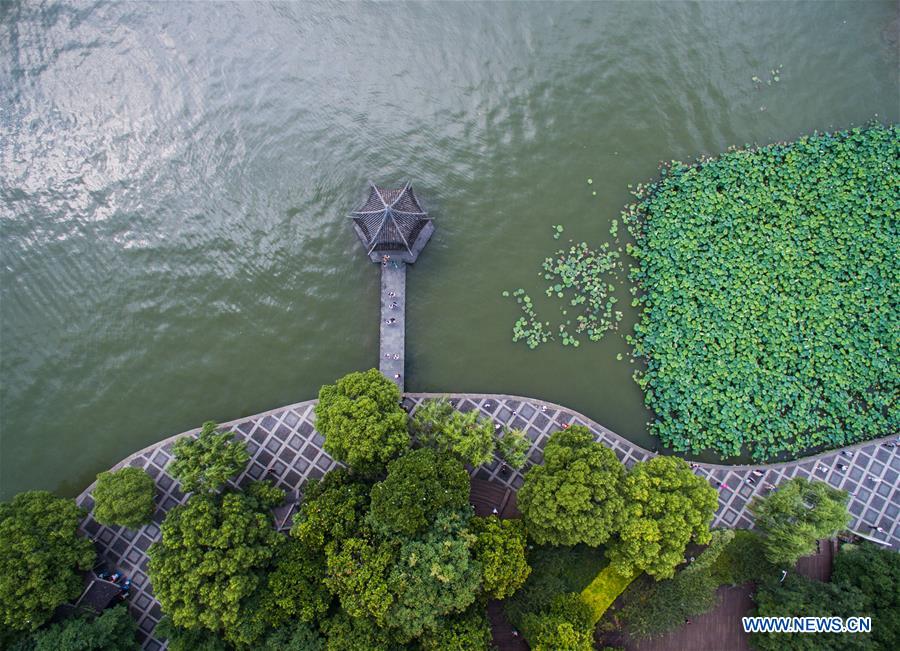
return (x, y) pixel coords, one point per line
(769, 288)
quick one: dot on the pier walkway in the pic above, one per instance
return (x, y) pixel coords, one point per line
(286, 448)
(393, 321)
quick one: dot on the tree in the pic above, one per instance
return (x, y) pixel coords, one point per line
(792, 518)
(875, 572)
(513, 447)
(575, 496)
(434, 576)
(467, 631)
(124, 497)
(41, 555)
(182, 639)
(358, 575)
(667, 506)
(665, 605)
(500, 548)
(744, 560)
(295, 636)
(332, 509)
(346, 633)
(567, 625)
(362, 421)
(295, 588)
(210, 566)
(113, 630)
(438, 425)
(418, 485)
(802, 597)
(205, 463)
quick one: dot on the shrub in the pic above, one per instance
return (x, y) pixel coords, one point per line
(438, 425)
(743, 560)
(758, 269)
(362, 421)
(605, 588)
(41, 556)
(205, 463)
(792, 518)
(124, 497)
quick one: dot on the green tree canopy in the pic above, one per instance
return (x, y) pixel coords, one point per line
(362, 421)
(467, 631)
(182, 639)
(666, 507)
(113, 630)
(419, 485)
(462, 434)
(41, 555)
(802, 597)
(792, 518)
(500, 548)
(332, 509)
(294, 636)
(295, 588)
(210, 565)
(513, 447)
(568, 624)
(346, 633)
(358, 571)
(203, 464)
(576, 495)
(875, 572)
(663, 605)
(124, 497)
(434, 576)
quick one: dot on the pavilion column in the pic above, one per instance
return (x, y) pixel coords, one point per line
(393, 321)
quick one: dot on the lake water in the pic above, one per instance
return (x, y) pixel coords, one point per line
(175, 179)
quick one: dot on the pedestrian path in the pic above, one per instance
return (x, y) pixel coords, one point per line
(393, 320)
(286, 448)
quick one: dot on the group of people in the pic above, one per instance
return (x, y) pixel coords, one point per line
(123, 583)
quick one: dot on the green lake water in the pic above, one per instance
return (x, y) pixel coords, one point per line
(175, 179)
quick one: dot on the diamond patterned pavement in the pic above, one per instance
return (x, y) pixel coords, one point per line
(286, 448)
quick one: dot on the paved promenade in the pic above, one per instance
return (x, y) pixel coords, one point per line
(393, 321)
(286, 448)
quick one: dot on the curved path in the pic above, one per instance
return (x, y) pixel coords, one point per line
(286, 448)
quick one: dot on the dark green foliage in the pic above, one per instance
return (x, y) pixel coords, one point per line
(209, 569)
(744, 560)
(295, 588)
(112, 630)
(295, 636)
(332, 509)
(419, 484)
(770, 308)
(124, 497)
(875, 572)
(576, 495)
(205, 463)
(345, 633)
(362, 421)
(554, 570)
(41, 554)
(568, 624)
(802, 597)
(513, 448)
(792, 518)
(434, 576)
(660, 606)
(182, 639)
(358, 575)
(468, 631)
(462, 434)
(500, 548)
(666, 507)
(267, 495)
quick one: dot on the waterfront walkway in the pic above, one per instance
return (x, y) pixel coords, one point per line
(286, 448)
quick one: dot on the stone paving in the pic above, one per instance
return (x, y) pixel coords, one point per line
(393, 333)
(286, 448)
